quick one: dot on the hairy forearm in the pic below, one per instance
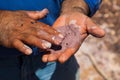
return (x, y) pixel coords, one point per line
(74, 6)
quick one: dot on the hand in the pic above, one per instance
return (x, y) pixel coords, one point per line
(18, 29)
(85, 25)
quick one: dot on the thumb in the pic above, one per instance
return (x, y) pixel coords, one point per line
(94, 29)
(37, 14)
(61, 21)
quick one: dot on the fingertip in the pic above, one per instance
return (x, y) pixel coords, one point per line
(62, 59)
(45, 58)
(45, 10)
(53, 57)
(66, 55)
(37, 14)
(27, 50)
(22, 47)
(46, 44)
(57, 40)
(96, 31)
(102, 33)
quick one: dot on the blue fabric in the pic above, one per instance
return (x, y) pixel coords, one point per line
(45, 74)
(32, 68)
(93, 6)
(52, 5)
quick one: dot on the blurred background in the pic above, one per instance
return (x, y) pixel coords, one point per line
(99, 58)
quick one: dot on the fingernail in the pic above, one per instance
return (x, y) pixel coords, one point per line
(46, 44)
(28, 50)
(46, 10)
(61, 36)
(58, 39)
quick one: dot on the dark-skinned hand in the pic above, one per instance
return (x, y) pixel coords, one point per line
(18, 29)
(85, 25)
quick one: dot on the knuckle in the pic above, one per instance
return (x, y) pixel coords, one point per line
(24, 36)
(32, 30)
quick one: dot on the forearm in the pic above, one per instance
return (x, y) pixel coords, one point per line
(74, 6)
(2, 14)
(1, 31)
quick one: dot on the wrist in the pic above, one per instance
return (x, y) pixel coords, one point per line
(78, 6)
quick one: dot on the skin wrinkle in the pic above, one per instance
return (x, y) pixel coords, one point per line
(74, 5)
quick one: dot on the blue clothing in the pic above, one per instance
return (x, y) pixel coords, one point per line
(32, 68)
(52, 5)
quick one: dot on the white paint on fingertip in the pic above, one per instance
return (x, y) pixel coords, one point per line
(46, 44)
(27, 47)
(28, 50)
(53, 38)
(61, 36)
(44, 10)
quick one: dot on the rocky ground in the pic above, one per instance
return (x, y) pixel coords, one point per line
(99, 59)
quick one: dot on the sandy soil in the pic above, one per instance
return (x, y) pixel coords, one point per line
(99, 59)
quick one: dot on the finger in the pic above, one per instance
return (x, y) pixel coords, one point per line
(53, 57)
(22, 47)
(94, 29)
(55, 39)
(32, 40)
(47, 33)
(37, 14)
(45, 57)
(47, 28)
(66, 55)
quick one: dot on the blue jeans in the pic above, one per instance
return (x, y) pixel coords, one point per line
(32, 68)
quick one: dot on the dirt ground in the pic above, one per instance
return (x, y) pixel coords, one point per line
(99, 58)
